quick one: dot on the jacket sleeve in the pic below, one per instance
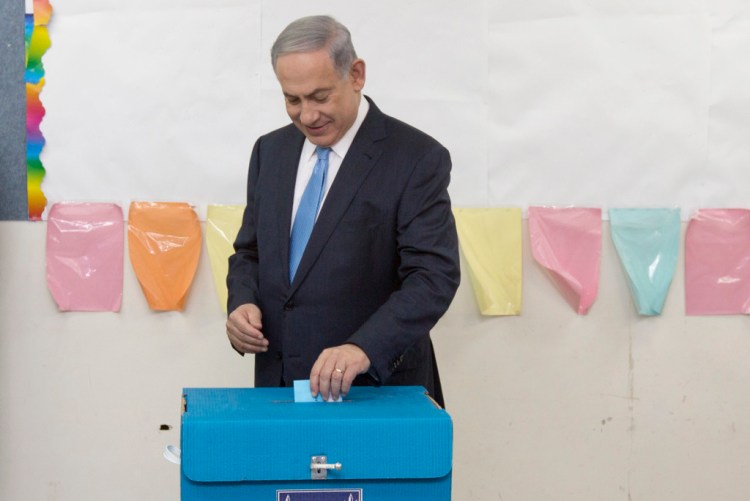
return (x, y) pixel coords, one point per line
(428, 270)
(242, 278)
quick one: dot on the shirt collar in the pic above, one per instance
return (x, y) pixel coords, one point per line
(343, 144)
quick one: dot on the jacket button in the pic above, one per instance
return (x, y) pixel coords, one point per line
(279, 355)
(289, 306)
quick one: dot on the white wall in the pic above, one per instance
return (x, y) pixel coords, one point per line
(548, 405)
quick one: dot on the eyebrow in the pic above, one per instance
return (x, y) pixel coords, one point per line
(312, 94)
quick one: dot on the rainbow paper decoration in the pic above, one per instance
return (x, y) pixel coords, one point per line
(567, 243)
(490, 240)
(717, 262)
(37, 42)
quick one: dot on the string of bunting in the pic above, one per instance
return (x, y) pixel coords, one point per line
(84, 267)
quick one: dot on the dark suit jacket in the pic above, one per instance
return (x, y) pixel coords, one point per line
(380, 268)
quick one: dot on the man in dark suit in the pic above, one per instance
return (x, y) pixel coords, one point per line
(347, 255)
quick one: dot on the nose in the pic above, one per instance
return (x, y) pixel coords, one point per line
(309, 114)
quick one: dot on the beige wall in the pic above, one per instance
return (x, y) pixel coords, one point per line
(546, 406)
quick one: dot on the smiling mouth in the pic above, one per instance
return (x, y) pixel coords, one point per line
(318, 128)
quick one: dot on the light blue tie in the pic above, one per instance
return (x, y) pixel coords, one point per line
(308, 209)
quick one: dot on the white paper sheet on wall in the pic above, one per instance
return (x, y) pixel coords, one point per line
(598, 109)
(621, 104)
(152, 101)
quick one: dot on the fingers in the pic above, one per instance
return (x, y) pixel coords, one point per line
(335, 379)
(244, 329)
(334, 371)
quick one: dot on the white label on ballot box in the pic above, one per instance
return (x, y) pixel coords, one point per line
(320, 495)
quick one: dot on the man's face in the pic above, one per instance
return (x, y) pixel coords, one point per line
(321, 103)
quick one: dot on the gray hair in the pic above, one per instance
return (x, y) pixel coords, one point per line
(309, 34)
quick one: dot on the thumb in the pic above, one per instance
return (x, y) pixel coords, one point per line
(254, 316)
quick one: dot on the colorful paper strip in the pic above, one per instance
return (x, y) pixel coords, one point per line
(717, 262)
(164, 242)
(85, 247)
(490, 242)
(37, 42)
(42, 12)
(222, 225)
(566, 242)
(647, 242)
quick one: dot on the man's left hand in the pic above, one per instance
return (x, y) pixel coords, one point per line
(334, 371)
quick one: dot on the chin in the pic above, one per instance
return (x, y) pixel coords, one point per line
(323, 142)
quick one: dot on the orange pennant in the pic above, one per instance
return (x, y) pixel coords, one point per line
(164, 241)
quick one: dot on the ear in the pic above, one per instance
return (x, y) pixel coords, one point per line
(357, 74)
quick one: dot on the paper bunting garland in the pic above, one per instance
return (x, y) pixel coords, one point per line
(37, 42)
(647, 242)
(717, 262)
(222, 225)
(85, 251)
(490, 241)
(566, 242)
(85, 248)
(164, 241)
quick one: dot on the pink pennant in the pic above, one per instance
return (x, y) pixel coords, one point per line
(717, 262)
(85, 249)
(567, 243)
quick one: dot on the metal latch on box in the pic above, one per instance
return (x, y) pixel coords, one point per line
(319, 467)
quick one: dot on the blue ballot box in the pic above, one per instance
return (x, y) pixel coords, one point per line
(389, 443)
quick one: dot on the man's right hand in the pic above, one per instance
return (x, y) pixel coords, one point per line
(244, 329)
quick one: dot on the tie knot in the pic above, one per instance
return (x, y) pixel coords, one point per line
(322, 153)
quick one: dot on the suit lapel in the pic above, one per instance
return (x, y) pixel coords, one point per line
(360, 159)
(287, 176)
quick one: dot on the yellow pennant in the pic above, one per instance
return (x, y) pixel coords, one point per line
(490, 240)
(222, 225)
